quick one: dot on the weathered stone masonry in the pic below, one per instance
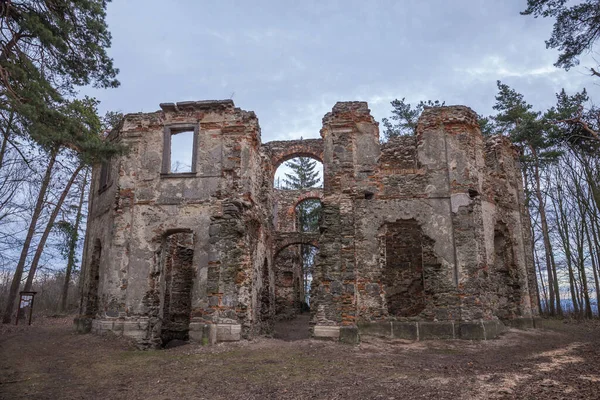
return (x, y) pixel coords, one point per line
(420, 237)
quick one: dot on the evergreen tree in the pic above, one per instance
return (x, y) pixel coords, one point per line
(529, 132)
(575, 28)
(403, 121)
(47, 50)
(575, 33)
(525, 127)
(405, 118)
(487, 126)
(303, 174)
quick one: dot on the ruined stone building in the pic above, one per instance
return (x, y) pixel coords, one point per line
(420, 237)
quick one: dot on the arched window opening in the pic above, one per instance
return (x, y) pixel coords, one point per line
(299, 173)
(308, 212)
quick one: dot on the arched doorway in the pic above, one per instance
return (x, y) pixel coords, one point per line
(298, 190)
(293, 267)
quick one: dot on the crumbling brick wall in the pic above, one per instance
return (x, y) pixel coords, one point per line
(424, 236)
(218, 202)
(287, 262)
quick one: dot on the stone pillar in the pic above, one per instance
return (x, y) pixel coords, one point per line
(351, 149)
(506, 192)
(452, 144)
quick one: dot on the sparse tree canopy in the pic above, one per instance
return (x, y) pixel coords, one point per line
(576, 27)
(576, 30)
(47, 50)
(573, 123)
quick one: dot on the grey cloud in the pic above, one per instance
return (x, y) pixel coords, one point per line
(291, 61)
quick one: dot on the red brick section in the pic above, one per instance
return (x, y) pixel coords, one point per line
(284, 150)
(286, 202)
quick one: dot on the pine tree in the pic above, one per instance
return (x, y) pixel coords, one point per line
(529, 132)
(575, 28)
(575, 33)
(48, 49)
(303, 176)
(403, 121)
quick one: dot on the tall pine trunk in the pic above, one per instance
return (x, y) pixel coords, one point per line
(16, 282)
(541, 280)
(587, 311)
(550, 264)
(565, 237)
(73, 245)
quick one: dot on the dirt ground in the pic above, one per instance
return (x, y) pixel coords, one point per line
(49, 361)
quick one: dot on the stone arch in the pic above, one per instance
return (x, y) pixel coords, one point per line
(286, 239)
(286, 202)
(309, 194)
(291, 294)
(284, 150)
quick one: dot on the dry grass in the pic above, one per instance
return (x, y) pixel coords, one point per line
(50, 361)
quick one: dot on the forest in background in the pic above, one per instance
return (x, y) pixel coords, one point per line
(51, 136)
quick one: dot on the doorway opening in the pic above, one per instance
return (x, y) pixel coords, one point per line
(177, 259)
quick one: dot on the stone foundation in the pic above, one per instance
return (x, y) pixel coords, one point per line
(198, 331)
(475, 330)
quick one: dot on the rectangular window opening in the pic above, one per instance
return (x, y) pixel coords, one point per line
(182, 151)
(179, 152)
(104, 175)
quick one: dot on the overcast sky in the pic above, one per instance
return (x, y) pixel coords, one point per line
(290, 61)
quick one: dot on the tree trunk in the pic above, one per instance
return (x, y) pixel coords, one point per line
(73, 245)
(539, 269)
(42, 243)
(563, 231)
(550, 264)
(581, 257)
(16, 282)
(549, 297)
(594, 268)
